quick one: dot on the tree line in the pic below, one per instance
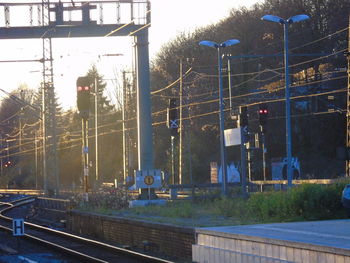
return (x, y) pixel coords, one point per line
(318, 84)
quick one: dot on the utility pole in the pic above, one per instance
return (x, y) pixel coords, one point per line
(180, 126)
(96, 133)
(348, 107)
(172, 138)
(229, 81)
(49, 107)
(243, 123)
(127, 141)
(36, 160)
(263, 146)
(188, 140)
(20, 139)
(43, 123)
(85, 157)
(125, 166)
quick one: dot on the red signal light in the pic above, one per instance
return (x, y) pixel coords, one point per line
(263, 113)
(7, 164)
(83, 88)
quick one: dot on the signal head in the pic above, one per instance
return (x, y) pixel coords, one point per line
(83, 96)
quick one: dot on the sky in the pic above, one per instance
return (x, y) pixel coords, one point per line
(74, 57)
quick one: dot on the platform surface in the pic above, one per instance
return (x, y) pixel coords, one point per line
(330, 233)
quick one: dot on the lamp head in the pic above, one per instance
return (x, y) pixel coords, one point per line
(229, 42)
(209, 43)
(297, 18)
(272, 18)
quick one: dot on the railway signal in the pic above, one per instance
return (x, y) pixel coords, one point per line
(243, 116)
(172, 117)
(263, 114)
(83, 103)
(83, 96)
(8, 164)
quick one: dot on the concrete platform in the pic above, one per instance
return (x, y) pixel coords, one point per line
(319, 241)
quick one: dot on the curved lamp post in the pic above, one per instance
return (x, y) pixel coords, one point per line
(286, 23)
(219, 47)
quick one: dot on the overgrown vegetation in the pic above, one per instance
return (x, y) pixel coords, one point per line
(305, 202)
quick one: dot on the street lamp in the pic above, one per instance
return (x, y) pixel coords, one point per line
(227, 43)
(286, 23)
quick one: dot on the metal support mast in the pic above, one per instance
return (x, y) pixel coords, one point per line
(125, 151)
(51, 181)
(348, 107)
(180, 126)
(144, 120)
(85, 157)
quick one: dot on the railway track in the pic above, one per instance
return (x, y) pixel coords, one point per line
(82, 249)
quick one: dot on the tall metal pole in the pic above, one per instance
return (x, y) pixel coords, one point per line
(180, 126)
(144, 120)
(347, 170)
(172, 138)
(36, 160)
(85, 158)
(243, 160)
(222, 127)
(96, 133)
(188, 139)
(125, 166)
(288, 113)
(20, 137)
(229, 81)
(144, 116)
(263, 147)
(43, 123)
(286, 23)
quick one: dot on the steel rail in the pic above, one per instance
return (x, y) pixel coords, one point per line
(87, 258)
(62, 249)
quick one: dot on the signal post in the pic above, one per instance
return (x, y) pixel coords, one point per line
(243, 124)
(263, 116)
(83, 103)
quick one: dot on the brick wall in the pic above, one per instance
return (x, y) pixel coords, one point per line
(50, 209)
(168, 239)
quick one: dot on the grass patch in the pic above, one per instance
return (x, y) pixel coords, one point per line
(305, 202)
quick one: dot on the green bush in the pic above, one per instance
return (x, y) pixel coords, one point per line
(230, 207)
(305, 202)
(317, 201)
(268, 206)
